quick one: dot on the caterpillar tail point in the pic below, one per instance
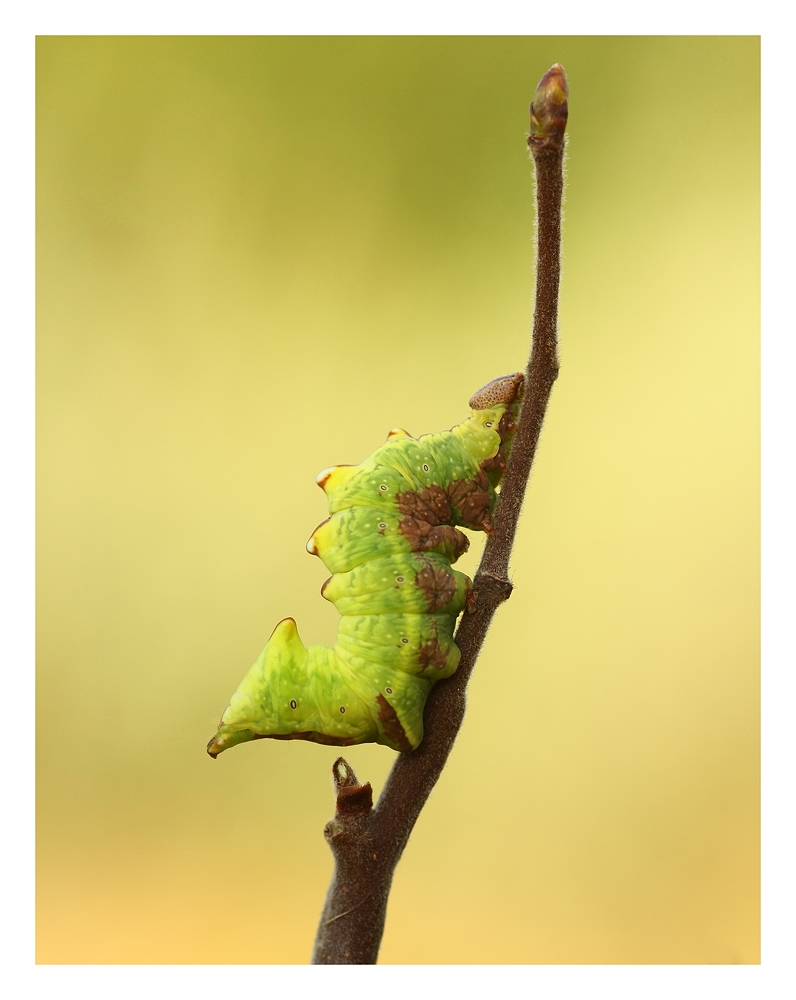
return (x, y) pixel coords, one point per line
(223, 741)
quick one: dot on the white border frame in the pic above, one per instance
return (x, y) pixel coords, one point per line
(17, 53)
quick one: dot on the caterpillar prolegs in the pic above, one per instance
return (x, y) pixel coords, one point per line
(389, 542)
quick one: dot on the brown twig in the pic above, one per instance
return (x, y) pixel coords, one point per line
(367, 843)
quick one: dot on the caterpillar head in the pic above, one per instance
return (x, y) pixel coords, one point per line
(505, 389)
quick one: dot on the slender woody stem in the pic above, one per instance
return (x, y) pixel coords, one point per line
(367, 843)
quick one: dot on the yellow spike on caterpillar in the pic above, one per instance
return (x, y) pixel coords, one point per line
(334, 477)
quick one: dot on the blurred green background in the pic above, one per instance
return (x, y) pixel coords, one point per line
(256, 255)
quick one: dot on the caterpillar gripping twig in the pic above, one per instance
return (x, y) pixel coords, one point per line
(389, 542)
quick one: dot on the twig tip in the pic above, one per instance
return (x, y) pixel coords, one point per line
(549, 109)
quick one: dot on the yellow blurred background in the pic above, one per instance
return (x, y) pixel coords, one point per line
(256, 255)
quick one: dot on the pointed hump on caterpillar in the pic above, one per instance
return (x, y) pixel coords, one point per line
(505, 389)
(286, 633)
(335, 477)
(240, 723)
(312, 543)
(399, 432)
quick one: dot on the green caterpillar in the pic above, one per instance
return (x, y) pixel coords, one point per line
(389, 543)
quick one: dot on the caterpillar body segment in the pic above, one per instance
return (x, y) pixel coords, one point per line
(389, 542)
